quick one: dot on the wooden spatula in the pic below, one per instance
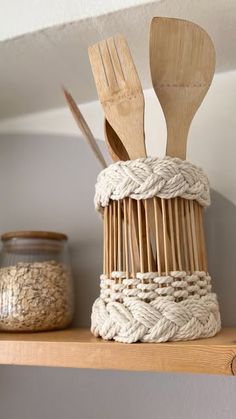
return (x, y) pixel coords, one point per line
(120, 92)
(182, 62)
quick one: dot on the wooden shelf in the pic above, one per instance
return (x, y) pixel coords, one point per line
(78, 348)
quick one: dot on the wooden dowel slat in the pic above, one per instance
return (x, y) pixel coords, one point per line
(110, 239)
(194, 235)
(106, 223)
(205, 265)
(163, 208)
(198, 234)
(177, 220)
(126, 238)
(148, 244)
(135, 237)
(177, 232)
(133, 270)
(184, 237)
(172, 236)
(104, 244)
(189, 235)
(115, 235)
(140, 234)
(159, 267)
(119, 237)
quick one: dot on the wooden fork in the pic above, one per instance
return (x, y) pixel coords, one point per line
(120, 92)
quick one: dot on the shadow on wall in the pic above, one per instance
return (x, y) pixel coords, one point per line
(220, 227)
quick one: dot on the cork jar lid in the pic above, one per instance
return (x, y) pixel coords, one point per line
(47, 235)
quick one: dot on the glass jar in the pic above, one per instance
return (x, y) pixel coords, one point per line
(36, 290)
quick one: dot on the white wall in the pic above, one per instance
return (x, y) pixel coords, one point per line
(47, 182)
(36, 15)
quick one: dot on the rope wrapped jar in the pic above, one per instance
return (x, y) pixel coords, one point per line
(155, 285)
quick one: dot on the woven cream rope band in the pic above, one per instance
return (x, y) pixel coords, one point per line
(152, 308)
(145, 178)
(156, 309)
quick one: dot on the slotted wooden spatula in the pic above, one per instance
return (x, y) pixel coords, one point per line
(182, 62)
(120, 92)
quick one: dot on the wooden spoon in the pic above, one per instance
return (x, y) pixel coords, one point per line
(182, 62)
(115, 146)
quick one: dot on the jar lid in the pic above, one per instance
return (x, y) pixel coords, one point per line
(48, 235)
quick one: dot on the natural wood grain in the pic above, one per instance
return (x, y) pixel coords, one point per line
(106, 241)
(177, 232)
(118, 152)
(118, 87)
(84, 128)
(30, 234)
(180, 222)
(140, 235)
(157, 231)
(152, 227)
(110, 248)
(172, 235)
(131, 241)
(114, 204)
(115, 147)
(126, 239)
(198, 235)
(194, 235)
(189, 235)
(119, 238)
(203, 242)
(79, 349)
(182, 61)
(120, 92)
(184, 237)
(148, 240)
(164, 221)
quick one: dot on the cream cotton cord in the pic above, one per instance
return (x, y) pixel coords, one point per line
(151, 307)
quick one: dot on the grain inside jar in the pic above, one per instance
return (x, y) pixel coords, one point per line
(36, 290)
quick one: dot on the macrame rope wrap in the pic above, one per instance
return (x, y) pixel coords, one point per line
(152, 308)
(145, 178)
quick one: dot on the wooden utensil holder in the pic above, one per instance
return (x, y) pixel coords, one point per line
(155, 284)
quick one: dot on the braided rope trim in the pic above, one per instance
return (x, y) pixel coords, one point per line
(151, 308)
(148, 177)
(160, 320)
(149, 286)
